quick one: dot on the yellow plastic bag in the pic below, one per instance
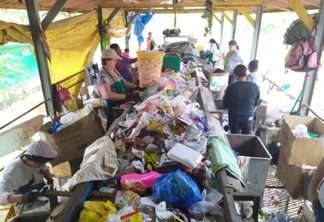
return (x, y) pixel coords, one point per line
(149, 67)
(96, 211)
(88, 215)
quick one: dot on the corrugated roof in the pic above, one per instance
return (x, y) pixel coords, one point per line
(159, 5)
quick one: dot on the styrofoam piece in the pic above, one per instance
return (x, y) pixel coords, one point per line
(185, 155)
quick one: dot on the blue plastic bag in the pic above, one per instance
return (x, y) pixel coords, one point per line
(178, 189)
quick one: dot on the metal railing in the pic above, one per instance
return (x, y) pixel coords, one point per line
(28, 111)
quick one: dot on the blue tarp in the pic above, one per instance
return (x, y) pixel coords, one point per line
(139, 25)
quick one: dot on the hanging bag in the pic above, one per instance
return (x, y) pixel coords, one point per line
(62, 93)
(302, 56)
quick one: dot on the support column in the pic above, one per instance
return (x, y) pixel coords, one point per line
(35, 28)
(221, 33)
(310, 79)
(100, 27)
(256, 33)
(126, 22)
(234, 24)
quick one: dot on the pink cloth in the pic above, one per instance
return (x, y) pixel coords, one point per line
(126, 55)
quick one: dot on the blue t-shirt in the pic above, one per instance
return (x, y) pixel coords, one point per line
(241, 97)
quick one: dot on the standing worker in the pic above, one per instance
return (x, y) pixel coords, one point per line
(23, 178)
(231, 60)
(241, 98)
(123, 64)
(112, 86)
(213, 52)
(150, 43)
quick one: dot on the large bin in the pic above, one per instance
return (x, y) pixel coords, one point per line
(257, 170)
(149, 67)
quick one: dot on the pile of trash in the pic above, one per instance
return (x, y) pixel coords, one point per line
(156, 166)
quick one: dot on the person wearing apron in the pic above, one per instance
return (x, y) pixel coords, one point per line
(112, 86)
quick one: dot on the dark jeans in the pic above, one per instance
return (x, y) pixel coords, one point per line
(213, 63)
(240, 124)
(319, 213)
(231, 79)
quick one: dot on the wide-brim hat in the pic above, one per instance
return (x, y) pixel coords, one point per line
(109, 54)
(41, 149)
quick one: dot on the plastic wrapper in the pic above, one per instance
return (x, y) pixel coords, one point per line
(70, 118)
(178, 189)
(126, 198)
(199, 209)
(301, 131)
(136, 186)
(96, 211)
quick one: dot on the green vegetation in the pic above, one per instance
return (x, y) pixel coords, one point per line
(11, 70)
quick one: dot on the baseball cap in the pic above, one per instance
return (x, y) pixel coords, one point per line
(41, 149)
(109, 54)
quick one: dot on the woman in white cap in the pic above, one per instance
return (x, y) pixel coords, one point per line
(112, 86)
(23, 178)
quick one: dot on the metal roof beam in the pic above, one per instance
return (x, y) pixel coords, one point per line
(52, 13)
(247, 15)
(178, 5)
(218, 19)
(112, 14)
(302, 13)
(130, 22)
(227, 17)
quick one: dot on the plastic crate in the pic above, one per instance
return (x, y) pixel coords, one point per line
(172, 62)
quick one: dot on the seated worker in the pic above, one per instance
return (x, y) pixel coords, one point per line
(241, 98)
(123, 64)
(23, 178)
(316, 192)
(112, 86)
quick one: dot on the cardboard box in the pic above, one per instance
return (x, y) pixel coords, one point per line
(307, 151)
(292, 176)
(71, 141)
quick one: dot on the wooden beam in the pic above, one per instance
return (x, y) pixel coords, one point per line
(218, 19)
(179, 5)
(302, 13)
(227, 17)
(277, 7)
(112, 14)
(53, 13)
(247, 15)
(180, 11)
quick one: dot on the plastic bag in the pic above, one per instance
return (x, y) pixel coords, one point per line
(198, 210)
(177, 189)
(70, 118)
(96, 211)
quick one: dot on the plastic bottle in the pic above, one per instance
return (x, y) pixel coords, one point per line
(148, 179)
(70, 103)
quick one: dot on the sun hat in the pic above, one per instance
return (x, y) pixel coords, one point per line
(41, 149)
(109, 54)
